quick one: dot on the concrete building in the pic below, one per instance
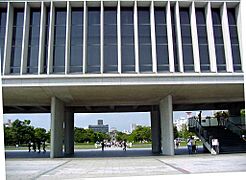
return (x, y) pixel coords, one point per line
(100, 127)
(64, 57)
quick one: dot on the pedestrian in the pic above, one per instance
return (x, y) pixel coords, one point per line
(177, 143)
(218, 118)
(29, 146)
(102, 145)
(39, 145)
(44, 147)
(124, 145)
(189, 144)
(34, 146)
(200, 117)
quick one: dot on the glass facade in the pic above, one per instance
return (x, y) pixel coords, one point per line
(202, 39)
(161, 39)
(144, 39)
(59, 40)
(127, 40)
(110, 55)
(93, 40)
(2, 34)
(186, 39)
(17, 36)
(234, 39)
(46, 43)
(218, 40)
(33, 42)
(175, 52)
(76, 40)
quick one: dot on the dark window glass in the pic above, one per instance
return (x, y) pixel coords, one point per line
(202, 39)
(34, 26)
(145, 54)
(127, 40)
(186, 39)
(46, 44)
(93, 40)
(76, 52)
(161, 39)
(110, 54)
(175, 52)
(234, 40)
(17, 36)
(218, 39)
(2, 34)
(59, 40)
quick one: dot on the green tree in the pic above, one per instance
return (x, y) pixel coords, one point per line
(40, 134)
(120, 136)
(141, 133)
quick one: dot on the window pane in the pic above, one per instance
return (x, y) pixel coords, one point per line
(145, 53)
(188, 58)
(46, 39)
(76, 59)
(2, 34)
(93, 64)
(127, 40)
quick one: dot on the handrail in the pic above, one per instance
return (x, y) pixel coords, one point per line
(235, 128)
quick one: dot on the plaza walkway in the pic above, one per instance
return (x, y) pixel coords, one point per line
(98, 165)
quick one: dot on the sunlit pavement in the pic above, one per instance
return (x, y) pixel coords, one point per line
(129, 164)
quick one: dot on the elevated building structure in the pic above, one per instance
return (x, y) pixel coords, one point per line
(64, 57)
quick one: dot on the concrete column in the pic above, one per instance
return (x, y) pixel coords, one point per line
(68, 32)
(170, 38)
(8, 39)
(101, 37)
(69, 133)
(51, 38)
(194, 36)
(156, 131)
(25, 39)
(119, 37)
(57, 119)
(135, 21)
(41, 39)
(85, 39)
(153, 38)
(210, 35)
(226, 38)
(179, 38)
(166, 117)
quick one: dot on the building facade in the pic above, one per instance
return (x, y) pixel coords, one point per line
(100, 127)
(65, 56)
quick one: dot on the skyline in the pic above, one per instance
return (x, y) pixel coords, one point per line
(121, 121)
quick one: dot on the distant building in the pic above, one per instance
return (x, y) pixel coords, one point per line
(133, 127)
(8, 124)
(99, 127)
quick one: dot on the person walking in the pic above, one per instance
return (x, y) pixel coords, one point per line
(34, 146)
(124, 145)
(200, 117)
(29, 146)
(189, 145)
(103, 145)
(39, 145)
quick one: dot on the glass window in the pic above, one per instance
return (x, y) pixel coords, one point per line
(59, 40)
(175, 52)
(145, 53)
(218, 39)
(93, 40)
(110, 55)
(46, 43)
(234, 39)
(202, 39)
(17, 36)
(2, 34)
(161, 39)
(33, 44)
(186, 39)
(76, 51)
(127, 40)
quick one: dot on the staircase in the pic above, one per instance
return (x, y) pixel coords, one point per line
(229, 141)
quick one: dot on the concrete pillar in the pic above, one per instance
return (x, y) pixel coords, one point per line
(119, 37)
(135, 21)
(166, 117)
(68, 32)
(85, 39)
(153, 38)
(156, 131)
(57, 119)
(69, 133)
(102, 37)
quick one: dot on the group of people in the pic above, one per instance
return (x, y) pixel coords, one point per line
(221, 118)
(121, 144)
(36, 146)
(191, 144)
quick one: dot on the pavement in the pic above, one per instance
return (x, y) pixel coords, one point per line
(137, 163)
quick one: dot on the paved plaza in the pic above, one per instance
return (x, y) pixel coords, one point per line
(100, 165)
